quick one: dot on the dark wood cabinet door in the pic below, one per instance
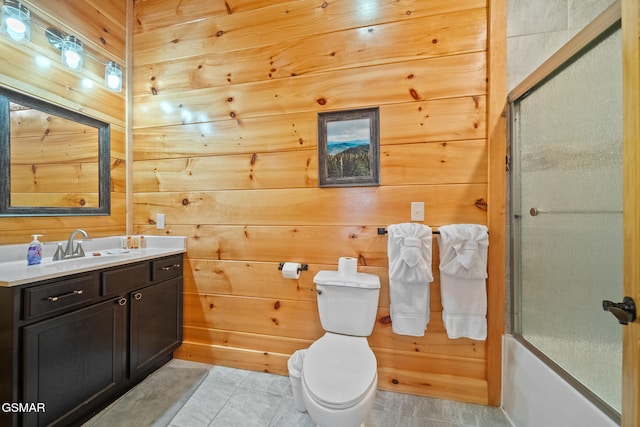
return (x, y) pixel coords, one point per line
(155, 325)
(74, 362)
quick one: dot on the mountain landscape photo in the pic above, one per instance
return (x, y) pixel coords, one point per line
(348, 159)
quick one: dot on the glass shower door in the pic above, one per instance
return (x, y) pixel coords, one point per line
(567, 227)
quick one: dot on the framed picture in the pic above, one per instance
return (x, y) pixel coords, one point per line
(349, 148)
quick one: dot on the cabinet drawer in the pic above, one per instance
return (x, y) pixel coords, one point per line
(44, 299)
(166, 268)
(124, 279)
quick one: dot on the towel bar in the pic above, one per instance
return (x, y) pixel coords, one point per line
(382, 231)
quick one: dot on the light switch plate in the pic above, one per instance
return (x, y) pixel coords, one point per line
(417, 211)
(160, 221)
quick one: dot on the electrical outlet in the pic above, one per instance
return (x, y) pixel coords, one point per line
(160, 221)
(417, 211)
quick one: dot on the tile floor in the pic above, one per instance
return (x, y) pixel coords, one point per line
(237, 398)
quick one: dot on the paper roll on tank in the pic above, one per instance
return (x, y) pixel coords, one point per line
(347, 266)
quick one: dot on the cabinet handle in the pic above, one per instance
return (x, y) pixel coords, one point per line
(170, 267)
(56, 298)
(122, 301)
(138, 296)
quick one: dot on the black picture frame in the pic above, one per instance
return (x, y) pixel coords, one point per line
(349, 148)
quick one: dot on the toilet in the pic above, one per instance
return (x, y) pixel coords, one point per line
(339, 373)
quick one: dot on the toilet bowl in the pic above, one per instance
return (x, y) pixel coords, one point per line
(339, 380)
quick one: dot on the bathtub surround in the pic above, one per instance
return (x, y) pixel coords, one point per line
(534, 395)
(529, 393)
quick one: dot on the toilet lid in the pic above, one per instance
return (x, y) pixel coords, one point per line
(339, 369)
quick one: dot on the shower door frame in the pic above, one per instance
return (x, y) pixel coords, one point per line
(631, 205)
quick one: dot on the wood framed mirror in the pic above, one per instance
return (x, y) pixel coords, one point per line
(53, 161)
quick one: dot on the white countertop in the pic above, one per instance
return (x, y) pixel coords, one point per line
(100, 253)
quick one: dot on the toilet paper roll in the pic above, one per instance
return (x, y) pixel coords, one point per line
(347, 266)
(291, 270)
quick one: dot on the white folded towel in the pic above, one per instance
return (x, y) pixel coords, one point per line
(463, 274)
(409, 252)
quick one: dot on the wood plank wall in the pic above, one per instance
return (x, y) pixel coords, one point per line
(102, 28)
(225, 102)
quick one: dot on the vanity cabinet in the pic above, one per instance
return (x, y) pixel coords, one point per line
(78, 342)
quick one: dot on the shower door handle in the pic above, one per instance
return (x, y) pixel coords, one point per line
(624, 311)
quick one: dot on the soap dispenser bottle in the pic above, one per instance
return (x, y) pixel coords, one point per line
(34, 253)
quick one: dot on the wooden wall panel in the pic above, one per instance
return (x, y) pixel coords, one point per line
(373, 45)
(285, 21)
(101, 26)
(309, 206)
(419, 80)
(225, 104)
(438, 120)
(437, 163)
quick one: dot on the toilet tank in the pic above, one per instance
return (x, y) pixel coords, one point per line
(347, 304)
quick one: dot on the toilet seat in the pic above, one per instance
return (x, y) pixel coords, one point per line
(338, 370)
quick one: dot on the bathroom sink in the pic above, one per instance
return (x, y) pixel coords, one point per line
(99, 253)
(90, 258)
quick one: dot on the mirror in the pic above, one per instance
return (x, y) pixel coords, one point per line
(53, 161)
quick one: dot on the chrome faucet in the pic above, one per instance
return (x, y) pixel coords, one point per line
(70, 252)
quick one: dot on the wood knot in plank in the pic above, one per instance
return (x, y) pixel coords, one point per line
(276, 305)
(481, 204)
(385, 320)
(322, 101)
(476, 101)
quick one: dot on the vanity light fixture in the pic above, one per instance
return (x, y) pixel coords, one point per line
(113, 77)
(16, 21)
(72, 53)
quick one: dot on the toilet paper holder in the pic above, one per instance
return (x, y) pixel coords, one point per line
(303, 267)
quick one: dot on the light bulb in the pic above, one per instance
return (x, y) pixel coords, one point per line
(16, 21)
(72, 59)
(16, 28)
(113, 77)
(72, 53)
